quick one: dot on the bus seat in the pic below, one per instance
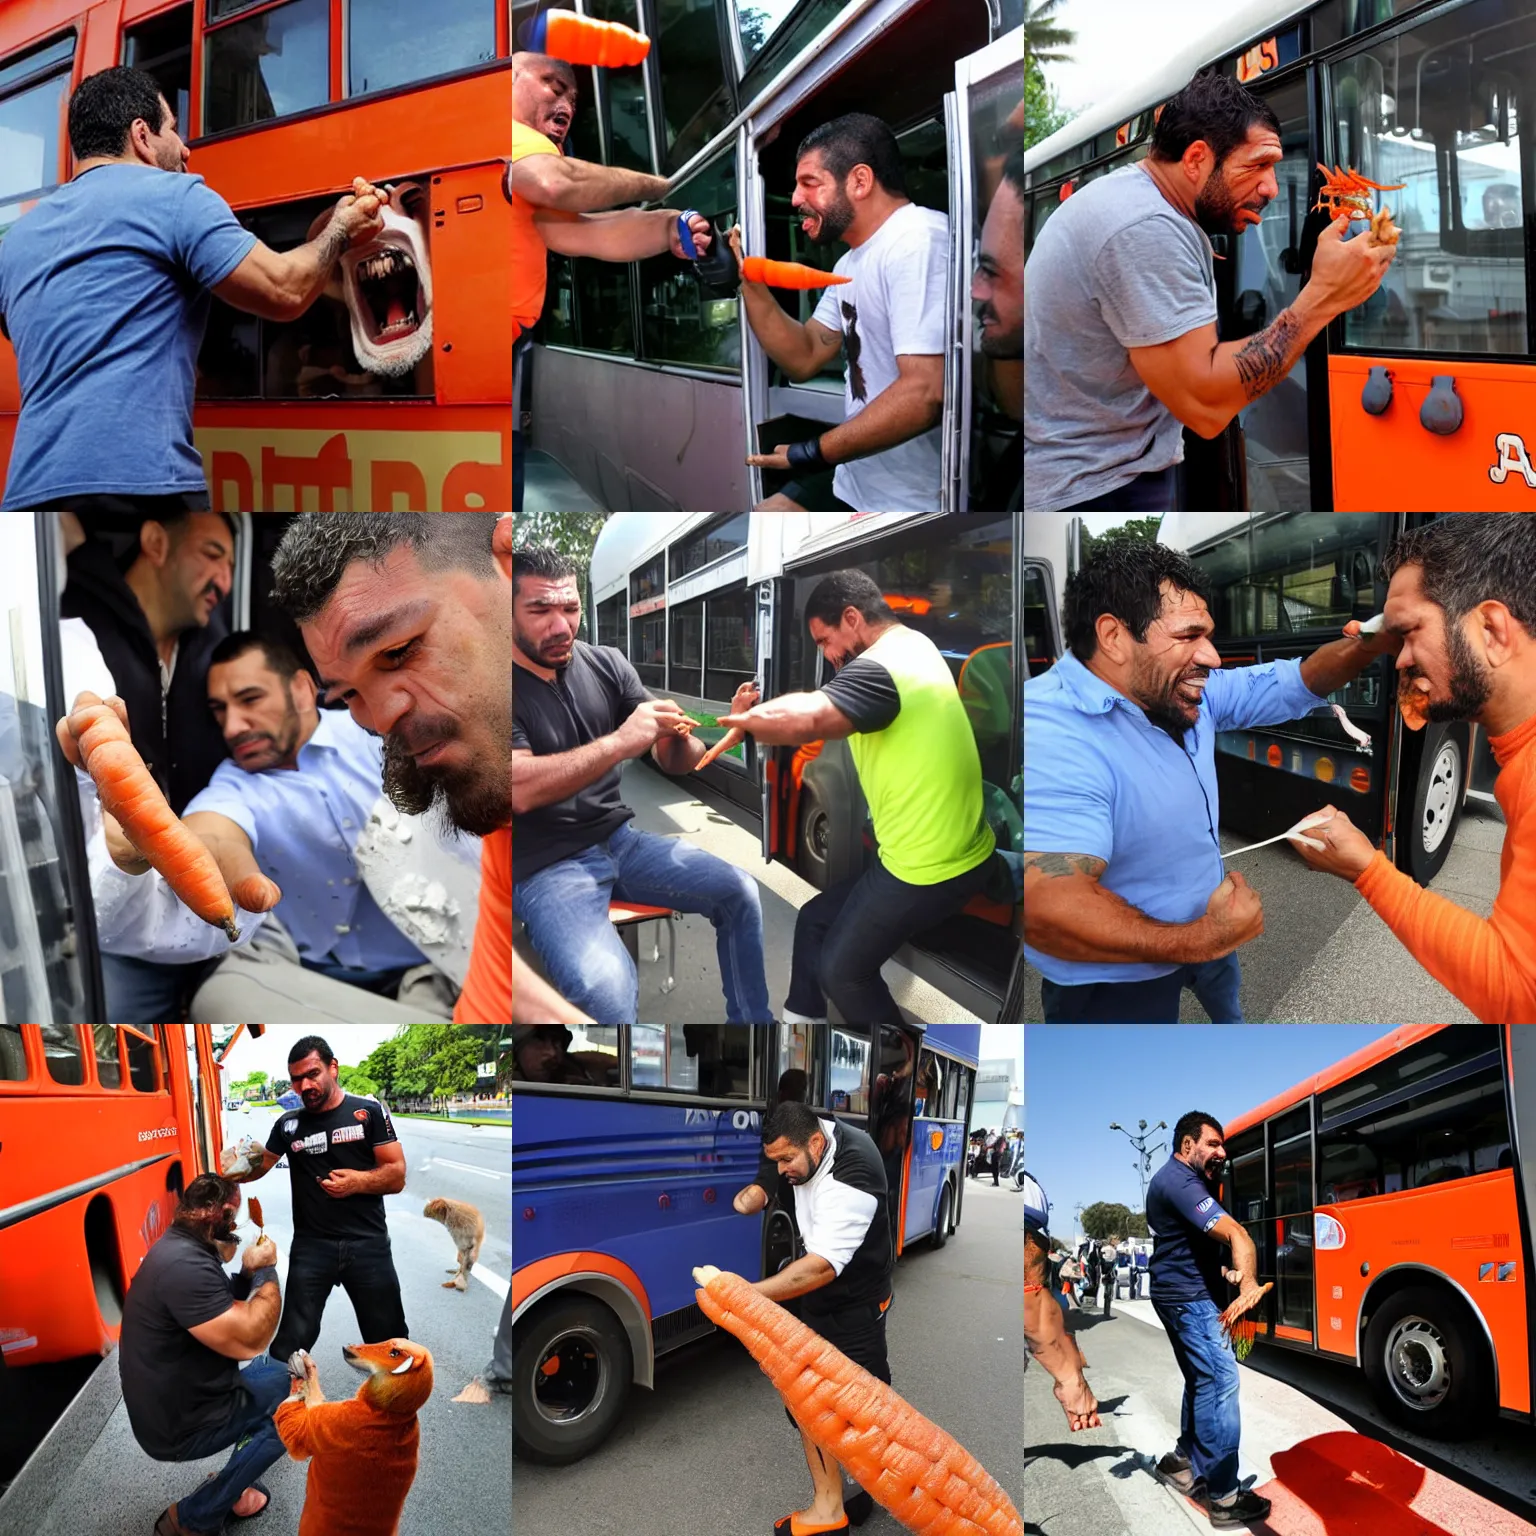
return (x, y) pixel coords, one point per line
(627, 916)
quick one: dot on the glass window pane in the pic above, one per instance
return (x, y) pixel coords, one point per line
(143, 1060)
(1438, 107)
(707, 546)
(758, 20)
(13, 1055)
(648, 582)
(109, 1070)
(648, 649)
(584, 1055)
(61, 1050)
(629, 136)
(712, 1060)
(391, 42)
(1293, 1174)
(60, 51)
(1459, 1045)
(29, 138)
(162, 47)
(268, 65)
(687, 656)
(695, 104)
(730, 644)
(850, 1073)
(613, 623)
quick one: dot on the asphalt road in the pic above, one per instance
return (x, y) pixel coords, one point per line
(1325, 957)
(1297, 1413)
(710, 1453)
(462, 1483)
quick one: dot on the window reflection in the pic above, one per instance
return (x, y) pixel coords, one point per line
(392, 42)
(584, 1056)
(267, 65)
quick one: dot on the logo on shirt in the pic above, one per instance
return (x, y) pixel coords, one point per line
(360, 1115)
(1205, 1205)
(854, 344)
(312, 1143)
(347, 1133)
(289, 1127)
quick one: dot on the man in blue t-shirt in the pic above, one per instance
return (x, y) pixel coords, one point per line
(105, 291)
(1189, 1272)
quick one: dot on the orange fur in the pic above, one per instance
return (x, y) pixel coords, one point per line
(362, 1452)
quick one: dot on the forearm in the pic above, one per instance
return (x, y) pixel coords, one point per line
(786, 721)
(1080, 920)
(1331, 666)
(896, 415)
(781, 336)
(386, 1180)
(807, 1274)
(579, 186)
(1045, 1331)
(539, 781)
(629, 235)
(1245, 1259)
(262, 1312)
(1242, 371)
(677, 754)
(310, 266)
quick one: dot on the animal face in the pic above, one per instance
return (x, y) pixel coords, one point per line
(399, 1374)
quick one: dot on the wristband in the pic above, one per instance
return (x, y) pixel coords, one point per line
(259, 1277)
(806, 456)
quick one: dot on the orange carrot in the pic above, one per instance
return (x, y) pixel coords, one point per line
(582, 40)
(930, 1482)
(128, 791)
(256, 1217)
(787, 274)
(724, 745)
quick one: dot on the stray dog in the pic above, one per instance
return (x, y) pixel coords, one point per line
(466, 1226)
(362, 1452)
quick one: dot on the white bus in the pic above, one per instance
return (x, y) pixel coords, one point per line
(701, 602)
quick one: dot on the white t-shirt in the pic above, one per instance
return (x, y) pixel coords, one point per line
(893, 307)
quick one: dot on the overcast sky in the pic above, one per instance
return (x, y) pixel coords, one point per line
(1120, 42)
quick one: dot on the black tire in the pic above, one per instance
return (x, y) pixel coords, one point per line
(813, 837)
(941, 1231)
(560, 1417)
(1427, 1366)
(1433, 811)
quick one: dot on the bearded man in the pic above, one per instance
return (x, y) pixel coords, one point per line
(1120, 344)
(1125, 899)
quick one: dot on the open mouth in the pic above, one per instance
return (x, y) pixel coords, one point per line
(394, 299)
(1191, 690)
(559, 125)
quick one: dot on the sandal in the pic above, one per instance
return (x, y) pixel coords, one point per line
(790, 1526)
(262, 1489)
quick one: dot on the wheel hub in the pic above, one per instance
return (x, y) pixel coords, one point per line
(570, 1379)
(1440, 796)
(1417, 1364)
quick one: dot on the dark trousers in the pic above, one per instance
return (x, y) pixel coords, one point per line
(363, 1267)
(844, 936)
(1215, 983)
(1157, 492)
(517, 471)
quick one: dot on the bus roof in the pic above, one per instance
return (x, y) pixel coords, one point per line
(1249, 19)
(1189, 530)
(1358, 1061)
(627, 539)
(962, 1041)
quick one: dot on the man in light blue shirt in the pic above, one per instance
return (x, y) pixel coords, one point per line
(1126, 901)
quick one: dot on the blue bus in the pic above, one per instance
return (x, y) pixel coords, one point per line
(629, 1144)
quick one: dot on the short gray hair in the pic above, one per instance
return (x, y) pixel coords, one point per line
(319, 546)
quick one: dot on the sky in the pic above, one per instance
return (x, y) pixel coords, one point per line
(1081, 1077)
(1000, 1040)
(1120, 42)
(351, 1044)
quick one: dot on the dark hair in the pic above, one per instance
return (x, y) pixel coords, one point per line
(1470, 558)
(310, 1045)
(277, 655)
(541, 560)
(1013, 172)
(1125, 577)
(857, 138)
(795, 1121)
(1212, 107)
(179, 524)
(1191, 1125)
(847, 589)
(318, 547)
(207, 1189)
(106, 105)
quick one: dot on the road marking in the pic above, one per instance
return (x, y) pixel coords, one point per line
(444, 1162)
(492, 1281)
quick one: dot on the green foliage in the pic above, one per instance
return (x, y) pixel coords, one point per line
(1107, 1221)
(1138, 1227)
(1142, 529)
(1045, 40)
(1043, 114)
(356, 1080)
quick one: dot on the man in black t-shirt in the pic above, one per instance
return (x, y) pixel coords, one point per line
(578, 713)
(343, 1158)
(186, 1327)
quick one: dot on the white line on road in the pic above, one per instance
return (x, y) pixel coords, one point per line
(445, 1162)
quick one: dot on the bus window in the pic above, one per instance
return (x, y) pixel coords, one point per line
(626, 119)
(849, 1083)
(648, 631)
(588, 306)
(267, 65)
(613, 623)
(162, 47)
(695, 102)
(393, 42)
(1437, 106)
(61, 1052)
(757, 23)
(730, 650)
(1293, 1218)
(109, 1071)
(714, 1060)
(32, 91)
(685, 653)
(1039, 645)
(580, 1056)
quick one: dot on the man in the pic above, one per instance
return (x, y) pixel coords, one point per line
(343, 1158)
(105, 292)
(834, 1173)
(1120, 340)
(1045, 1324)
(850, 186)
(579, 712)
(1189, 1274)
(541, 1054)
(406, 617)
(1126, 901)
(156, 624)
(185, 1328)
(893, 698)
(552, 197)
(288, 806)
(1462, 599)
(998, 287)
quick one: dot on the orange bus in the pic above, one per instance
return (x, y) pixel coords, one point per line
(1389, 1197)
(283, 102)
(101, 1128)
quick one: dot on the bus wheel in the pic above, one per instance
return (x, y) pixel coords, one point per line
(941, 1231)
(571, 1370)
(814, 847)
(1430, 827)
(1426, 1366)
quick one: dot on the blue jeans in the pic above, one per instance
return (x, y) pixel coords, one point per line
(1209, 1421)
(264, 1384)
(1215, 982)
(145, 991)
(565, 910)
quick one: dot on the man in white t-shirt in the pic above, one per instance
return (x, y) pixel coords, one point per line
(888, 320)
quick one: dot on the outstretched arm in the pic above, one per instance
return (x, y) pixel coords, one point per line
(1049, 1342)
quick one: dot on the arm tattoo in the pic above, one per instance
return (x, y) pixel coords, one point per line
(329, 244)
(1266, 358)
(1054, 865)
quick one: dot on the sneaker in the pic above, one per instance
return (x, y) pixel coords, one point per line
(1176, 1471)
(1246, 1509)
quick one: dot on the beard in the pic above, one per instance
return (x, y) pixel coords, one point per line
(1216, 209)
(474, 800)
(1471, 685)
(541, 653)
(209, 1229)
(1160, 699)
(832, 221)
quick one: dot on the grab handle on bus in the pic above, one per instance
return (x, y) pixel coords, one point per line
(1377, 394)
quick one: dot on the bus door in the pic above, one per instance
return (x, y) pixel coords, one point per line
(1290, 1222)
(890, 1114)
(983, 397)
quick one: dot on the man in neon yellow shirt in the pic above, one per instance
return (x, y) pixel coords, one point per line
(894, 699)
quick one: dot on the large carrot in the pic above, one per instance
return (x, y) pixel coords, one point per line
(722, 746)
(787, 274)
(925, 1477)
(256, 1217)
(583, 40)
(128, 791)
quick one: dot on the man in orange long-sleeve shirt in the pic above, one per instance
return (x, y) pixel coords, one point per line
(1463, 598)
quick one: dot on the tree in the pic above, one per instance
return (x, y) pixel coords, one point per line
(1141, 529)
(573, 534)
(1107, 1221)
(1043, 114)
(356, 1080)
(1045, 39)
(1138, 1227)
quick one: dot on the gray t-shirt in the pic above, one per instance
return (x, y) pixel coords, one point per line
(1116, 266)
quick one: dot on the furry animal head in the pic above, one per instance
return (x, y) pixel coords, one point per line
(436, 1210)
(399, 1374)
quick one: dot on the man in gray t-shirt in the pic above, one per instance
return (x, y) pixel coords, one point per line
(1121, 350)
